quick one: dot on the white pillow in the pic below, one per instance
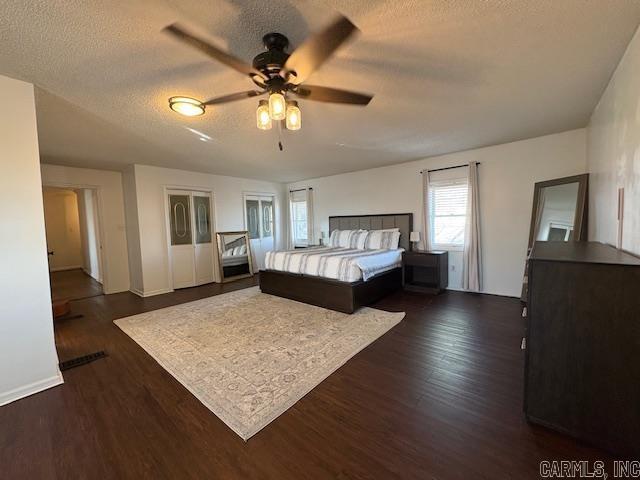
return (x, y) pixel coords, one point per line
(382, 240)
(333, 238)
(359, 239)
(341, 238)
(228, 252)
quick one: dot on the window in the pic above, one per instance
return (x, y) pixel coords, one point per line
(300, 217)
(448, 213)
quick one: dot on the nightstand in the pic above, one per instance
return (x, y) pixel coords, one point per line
(425, 271)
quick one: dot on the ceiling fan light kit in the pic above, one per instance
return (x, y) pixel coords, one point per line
(277, 106)
(294, 116)
(277, 74)
(262, 115)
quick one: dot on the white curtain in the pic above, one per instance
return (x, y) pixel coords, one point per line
(472, 256)
(425, 241)
(310, 231)
(290, 243)
(301, 195)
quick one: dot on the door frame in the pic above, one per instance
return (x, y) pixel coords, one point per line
(167, 228)
(102, 239)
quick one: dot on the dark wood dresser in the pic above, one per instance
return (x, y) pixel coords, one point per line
(425, 271)
(582, 367)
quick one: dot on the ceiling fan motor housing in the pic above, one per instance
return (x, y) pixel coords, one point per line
(271, 61)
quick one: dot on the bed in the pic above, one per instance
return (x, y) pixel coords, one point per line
(342, 278)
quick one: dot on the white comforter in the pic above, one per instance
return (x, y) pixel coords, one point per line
(344, 264)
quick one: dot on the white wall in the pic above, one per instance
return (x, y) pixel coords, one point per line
(613, 154)
(507, 176)
(150, 205)
(133, 230)
(28, 359)
(63, 229)
(111, 204)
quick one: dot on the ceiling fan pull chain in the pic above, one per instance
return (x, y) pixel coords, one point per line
(280, 136)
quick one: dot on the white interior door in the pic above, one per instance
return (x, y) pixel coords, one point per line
(191, 238)
(259, 221)
(181, 233)
(203, 243)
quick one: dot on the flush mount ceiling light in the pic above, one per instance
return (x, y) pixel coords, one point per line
(277, 73)
(187, 106)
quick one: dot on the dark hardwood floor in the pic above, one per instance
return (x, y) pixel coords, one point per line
(73, 285)
(438, 396)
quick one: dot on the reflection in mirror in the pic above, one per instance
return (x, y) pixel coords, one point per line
(234, 254)
(556, 212)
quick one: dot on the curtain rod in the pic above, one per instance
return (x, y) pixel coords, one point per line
(446, 168)
(300, 190)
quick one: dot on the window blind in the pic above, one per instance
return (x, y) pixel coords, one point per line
(448, 210)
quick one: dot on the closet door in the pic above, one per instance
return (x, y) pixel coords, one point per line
(203, 244)
(182, 246)
(259, 222)
(266, 226)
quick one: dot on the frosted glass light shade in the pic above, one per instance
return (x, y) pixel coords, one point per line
(187, 106)
(277, 106)
(263, 118)
(414, 237)
(294, 116)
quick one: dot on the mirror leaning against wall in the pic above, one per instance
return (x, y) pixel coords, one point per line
(559, 214)
(234, 255)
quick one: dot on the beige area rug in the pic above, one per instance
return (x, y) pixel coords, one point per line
(249, 356)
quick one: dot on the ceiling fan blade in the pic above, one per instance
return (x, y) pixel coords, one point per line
(213, 52)
(316, 50)
(234, 97)
(332, 95)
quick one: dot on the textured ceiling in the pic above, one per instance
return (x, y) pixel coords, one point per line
(447, 76)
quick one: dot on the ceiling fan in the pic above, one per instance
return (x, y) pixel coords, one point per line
(277, 73)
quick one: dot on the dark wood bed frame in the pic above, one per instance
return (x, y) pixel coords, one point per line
(344, 297)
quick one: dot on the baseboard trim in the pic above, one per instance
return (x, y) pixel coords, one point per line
(68, 267)
(151, 293)
(455, 289)
(31, 389)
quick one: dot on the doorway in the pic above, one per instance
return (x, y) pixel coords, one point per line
(259, 222)
(190, 229)
(73, 242)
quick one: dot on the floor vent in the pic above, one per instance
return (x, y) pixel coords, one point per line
(76, 362)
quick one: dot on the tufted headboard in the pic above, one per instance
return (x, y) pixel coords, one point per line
(403, 221)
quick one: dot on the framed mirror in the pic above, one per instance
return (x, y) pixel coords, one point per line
(559, 214)
(559, 210)
(234, 255)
